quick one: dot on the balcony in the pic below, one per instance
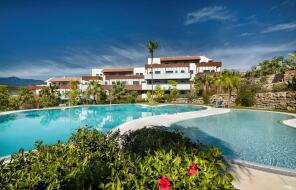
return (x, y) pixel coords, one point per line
(168, 76)
(166, 86)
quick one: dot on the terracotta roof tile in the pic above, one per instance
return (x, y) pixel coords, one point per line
(180, 58)
(88, 78)
(64, 79)
(111, 70)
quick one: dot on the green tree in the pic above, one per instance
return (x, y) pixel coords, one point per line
(95, 92)
(26, 99)
(49, 96)
(231, 81)
(132, 96)
(13, 102)
(292, 62)
(117, 91)
(204, 82)
(4, 96)
(152, 46)
(159, 93)
(148, 94)
(246, 93)
(174, 92)
(73, 93)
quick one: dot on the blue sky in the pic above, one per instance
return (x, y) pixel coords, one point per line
(40, 39)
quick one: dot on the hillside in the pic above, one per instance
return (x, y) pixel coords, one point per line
(15, 81)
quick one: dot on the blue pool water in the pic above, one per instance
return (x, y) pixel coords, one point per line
(21, 130)
(252, 136)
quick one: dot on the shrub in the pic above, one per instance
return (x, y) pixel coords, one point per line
(13, 102)
(279, 87)
(4, 96)
(246, 93)
(292, 84)
(92, 160)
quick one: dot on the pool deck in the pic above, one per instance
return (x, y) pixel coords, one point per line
(245, 177)
(168, 120)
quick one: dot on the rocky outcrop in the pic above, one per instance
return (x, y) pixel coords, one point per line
(289, 75)
(276, 100)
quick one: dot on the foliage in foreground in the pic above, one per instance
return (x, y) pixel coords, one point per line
(92, 160)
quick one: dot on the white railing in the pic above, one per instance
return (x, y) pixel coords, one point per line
(168, 76)
(166, 86)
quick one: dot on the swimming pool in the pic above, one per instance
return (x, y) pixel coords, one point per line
(252, 136)
(22, 129)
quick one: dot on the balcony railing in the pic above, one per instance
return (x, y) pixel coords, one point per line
(166, 86)
(168, 76)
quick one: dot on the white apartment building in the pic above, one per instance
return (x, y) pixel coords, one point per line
(181, 69)
(63, 84)
(132, 78)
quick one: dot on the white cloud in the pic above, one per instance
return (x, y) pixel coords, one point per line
(243, 57)
(218, 13)
(246, 34)
(77, 62)
(280, 27)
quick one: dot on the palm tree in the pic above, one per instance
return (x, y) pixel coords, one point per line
(151, 46)
(207, 81)
(204, 81)
(118, 90)
(94, 90)
(231, 81)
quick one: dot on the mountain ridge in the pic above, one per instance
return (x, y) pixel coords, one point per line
(18, 82)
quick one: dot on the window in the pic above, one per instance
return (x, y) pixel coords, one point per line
(182, 71)
(157, 72)
(176, 71)
(123, 82)
(150, 72)
(168, 72)
(106, 83)
(136, 82)
(191, 71)
(113, 82)
(206, 71)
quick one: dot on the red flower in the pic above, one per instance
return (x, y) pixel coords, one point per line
(192, 169)
(164, 183)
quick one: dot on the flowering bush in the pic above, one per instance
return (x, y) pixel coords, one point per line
(91, 160)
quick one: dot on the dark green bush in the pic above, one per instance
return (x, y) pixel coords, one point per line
(246, 93)
(92, 160)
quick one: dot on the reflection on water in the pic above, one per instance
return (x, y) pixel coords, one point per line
(22, 129)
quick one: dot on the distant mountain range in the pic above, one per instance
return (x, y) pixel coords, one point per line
(15, 81)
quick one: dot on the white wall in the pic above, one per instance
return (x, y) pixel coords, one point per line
(96, 72)
(204, 59)
(155, 60)
(139, 70)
